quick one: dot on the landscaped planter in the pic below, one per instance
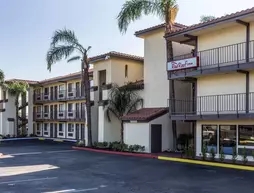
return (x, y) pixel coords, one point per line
(110, 151)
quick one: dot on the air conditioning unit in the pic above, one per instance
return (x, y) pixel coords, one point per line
(46, 97)
(60, 114)
(46, 115)
(70, 94)
(70, 114)
(61, 95)
(38, 115)
(38, 97)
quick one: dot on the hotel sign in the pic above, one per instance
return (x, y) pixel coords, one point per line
(182, 64)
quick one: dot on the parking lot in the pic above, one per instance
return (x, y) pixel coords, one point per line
(42, 167)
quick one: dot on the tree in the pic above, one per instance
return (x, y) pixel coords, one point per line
(17, 89)
(63, 44)
(206, 18)
(122, 101)
(167, 10)
(1, 77)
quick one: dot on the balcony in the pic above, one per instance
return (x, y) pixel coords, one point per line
(104, 92)
(217, 60)
(60, 96)
(61, 116)
(213, 107)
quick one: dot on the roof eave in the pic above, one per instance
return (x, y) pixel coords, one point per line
(206, 25)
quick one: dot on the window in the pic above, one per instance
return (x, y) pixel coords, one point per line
(61, 107)
(70, 107)
(70, 87)
(61, 88)
(246, 135)
(38, 109)
(227, 135)
(60, 127)
(126, 71)
(209, 137)
(46, 109)
(70, 127)
(46, 91)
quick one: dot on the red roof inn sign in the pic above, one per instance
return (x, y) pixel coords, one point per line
(182, 64)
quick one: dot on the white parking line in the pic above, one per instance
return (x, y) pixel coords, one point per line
(27, 153)
(74, 190)
(60, 151)
(28, 180)
(34, 153)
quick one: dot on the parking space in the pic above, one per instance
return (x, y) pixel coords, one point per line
(56, 168)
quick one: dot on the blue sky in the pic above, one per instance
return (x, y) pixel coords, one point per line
(27, 26)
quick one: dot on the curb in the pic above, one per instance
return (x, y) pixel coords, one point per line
(116, 152)
(214, 164)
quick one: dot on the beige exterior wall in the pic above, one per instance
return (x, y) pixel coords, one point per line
(155, 74)
(115, 71)
(135, 71)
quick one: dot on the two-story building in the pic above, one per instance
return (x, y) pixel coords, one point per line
(221, 70)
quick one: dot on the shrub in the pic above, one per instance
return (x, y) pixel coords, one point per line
(212, 154)
(244, 156)
(234, 155)
(204, 152)
(222, 155)
(81, 143)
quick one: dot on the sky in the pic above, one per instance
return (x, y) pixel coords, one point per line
(26, 28)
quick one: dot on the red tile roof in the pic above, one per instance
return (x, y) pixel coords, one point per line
(145, 114)
(22, 80)
(160, 26)
(116, 54)
(211, 22)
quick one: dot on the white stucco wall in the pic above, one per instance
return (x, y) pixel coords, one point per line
(108, 131)
(138, 133)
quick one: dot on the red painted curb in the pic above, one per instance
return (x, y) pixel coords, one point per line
(116, 152)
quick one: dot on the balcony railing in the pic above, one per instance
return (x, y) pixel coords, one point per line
(60, 95)
(234, 54)
(214, 104)
(59, 116)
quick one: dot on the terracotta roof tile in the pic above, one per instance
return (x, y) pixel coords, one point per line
(211, 22)
(116, 54)
(22, 80)
(138, 85)
(145, 114)
(156, 27)
(59, 78)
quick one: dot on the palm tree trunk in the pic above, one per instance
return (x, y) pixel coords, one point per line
(122, 130)
(86, 83)
(172, 104)
(17, 116)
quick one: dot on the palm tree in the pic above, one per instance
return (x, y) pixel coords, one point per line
(122, 101)
(1, 77)
(205, 18)
(167, 10)
(63, 44)
(17, 89)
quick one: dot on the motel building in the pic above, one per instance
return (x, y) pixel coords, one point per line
(221, 72)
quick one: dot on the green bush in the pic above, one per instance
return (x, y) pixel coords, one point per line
(204, 152)
(234, 155)
(81, 143)
(244, 156)
(222, 155)
(118, 146)
(212, 154)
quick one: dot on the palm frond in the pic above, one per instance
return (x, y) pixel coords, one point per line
(57, 53)
(66, 37)
(133, 10)
(113, 111)
(74, 58)
(2, 76)
(17, 88)
(205, 18)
